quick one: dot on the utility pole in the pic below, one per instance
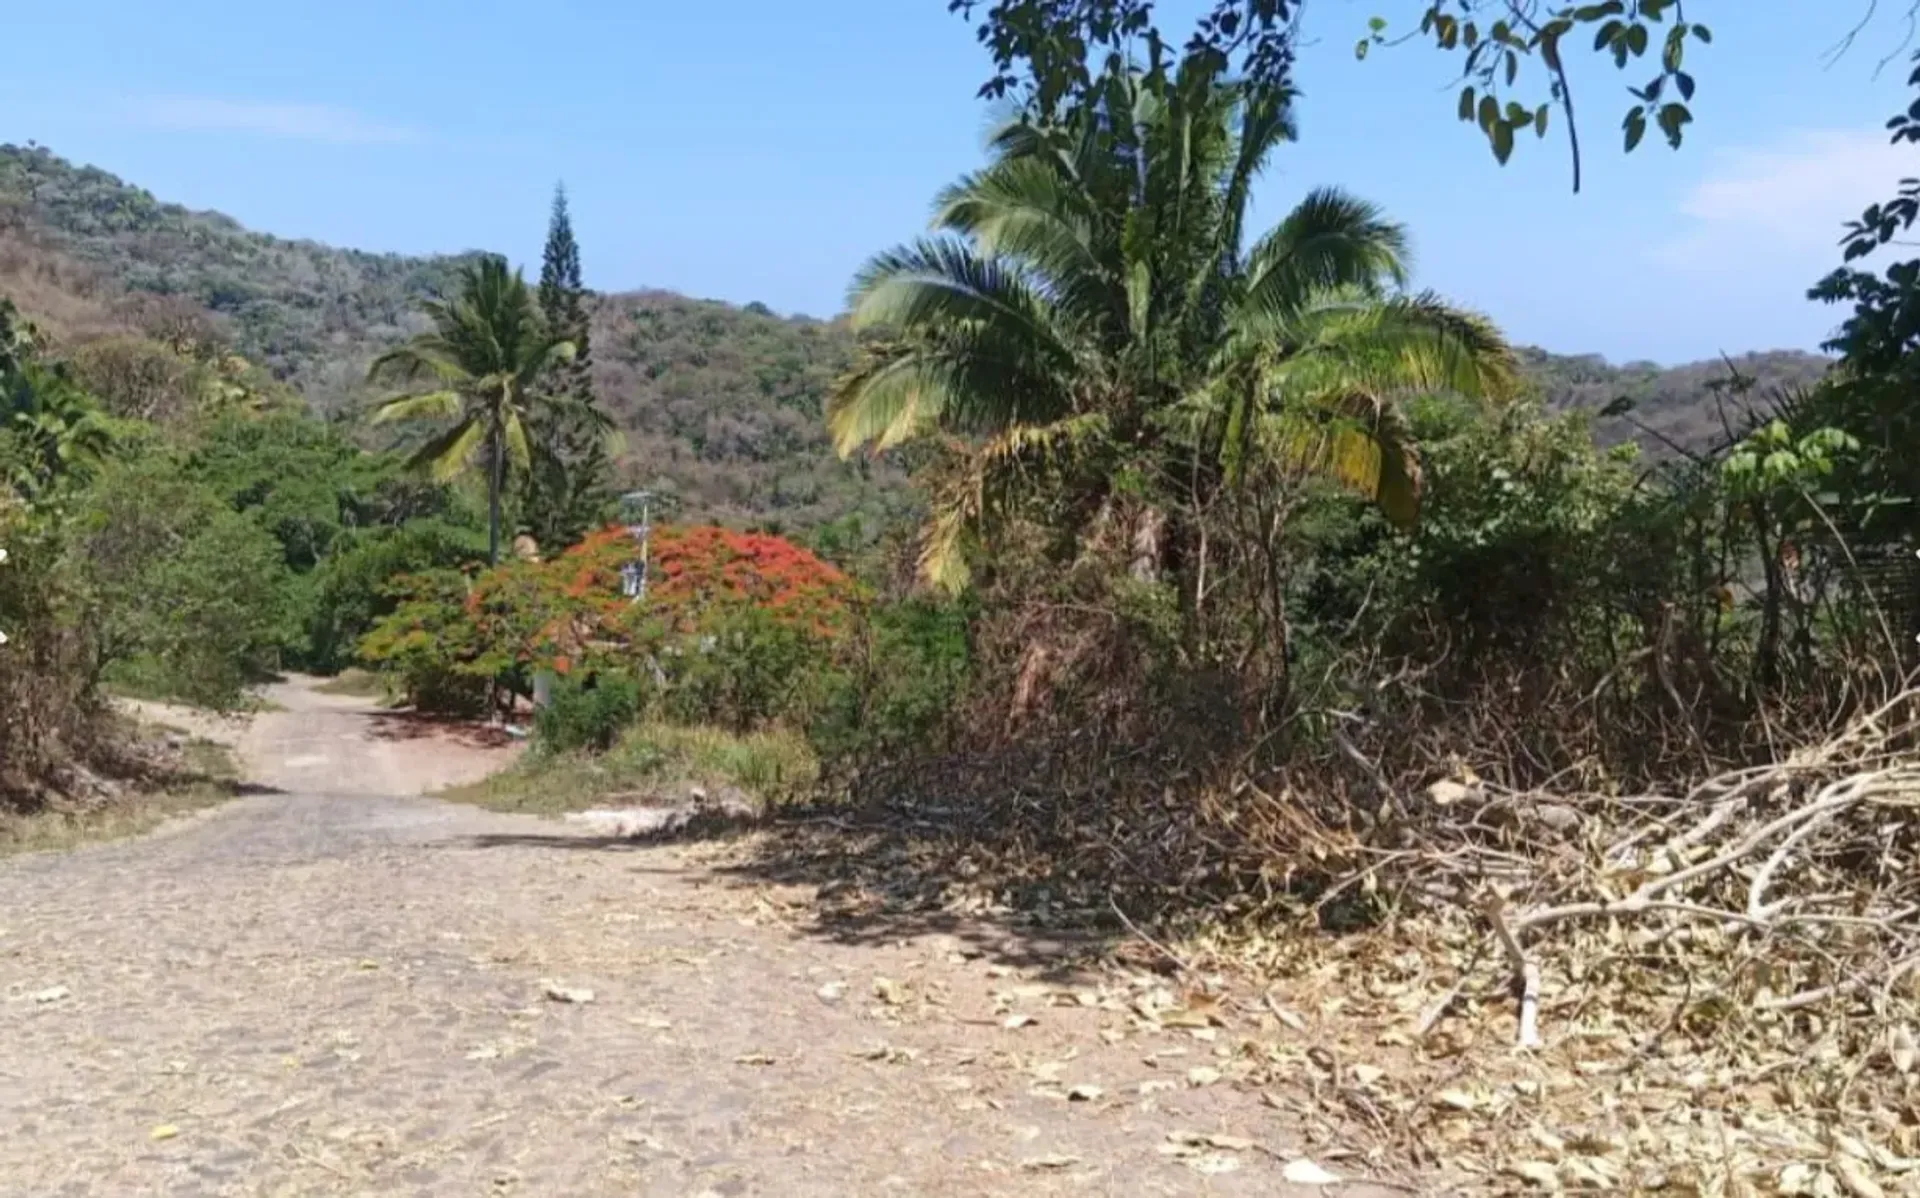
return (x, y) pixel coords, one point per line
(637, 508)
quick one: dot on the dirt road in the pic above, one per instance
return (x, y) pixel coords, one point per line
(335, 986)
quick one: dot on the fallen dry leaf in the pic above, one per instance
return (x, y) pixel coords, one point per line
(1054, 1160)
(1459, 1100)
(1854, 1176)
(1084, 1093)
(51, 994)
(1540, 1173)
(567, 994)
(1303, 1172)
(166, 1131)
(889, 991)
(1901, 1048)
(753, 1058)
(1016, 1021)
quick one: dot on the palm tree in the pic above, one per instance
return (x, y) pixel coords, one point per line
(1089, 300)
(483, 361)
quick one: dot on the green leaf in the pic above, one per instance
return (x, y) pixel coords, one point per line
(1489, 113)
(1377, 24)
(1684, 82)
(1360, 49)
(1502, 138)
(1672, 119)
(1466, 103)
(1637, 39)
(1704, 34)
(1540, 121)
(1636, 127)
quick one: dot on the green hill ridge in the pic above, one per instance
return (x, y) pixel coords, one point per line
(720, 403)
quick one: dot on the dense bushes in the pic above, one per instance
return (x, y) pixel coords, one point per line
(588, 713)
(176, 528)
(739, 630)
(192, 595)
(46, 659)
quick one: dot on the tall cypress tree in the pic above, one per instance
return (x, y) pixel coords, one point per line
(567, 490)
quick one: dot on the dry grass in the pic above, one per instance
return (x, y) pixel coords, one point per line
(206, 776)
(771, 766)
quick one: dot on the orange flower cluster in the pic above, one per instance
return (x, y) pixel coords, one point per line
(556, 611)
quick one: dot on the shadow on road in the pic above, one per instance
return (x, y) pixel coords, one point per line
(882, 875)
(413, 725)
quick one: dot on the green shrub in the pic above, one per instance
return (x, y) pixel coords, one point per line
(192, 594)
(588, 714)
(351, 591)
(898, 680)
(426, 646)
(744, 668)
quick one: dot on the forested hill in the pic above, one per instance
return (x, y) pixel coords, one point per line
(1691, 406)
(720, 403)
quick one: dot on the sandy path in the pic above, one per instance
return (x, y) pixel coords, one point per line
(338, 988)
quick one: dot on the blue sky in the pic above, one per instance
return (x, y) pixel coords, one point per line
(760, 149)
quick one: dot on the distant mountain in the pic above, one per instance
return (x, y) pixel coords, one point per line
(721, 404)
(1694, 407)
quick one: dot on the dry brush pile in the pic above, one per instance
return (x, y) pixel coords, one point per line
(1708, 990)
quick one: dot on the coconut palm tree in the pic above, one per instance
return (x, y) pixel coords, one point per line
(1090, 300)
(483, 362)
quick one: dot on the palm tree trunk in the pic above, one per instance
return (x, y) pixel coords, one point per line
(497, 456)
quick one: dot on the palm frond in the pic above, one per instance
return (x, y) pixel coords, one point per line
(434, 405)
(1406, 344)
(1357, 440)
(1329, 242)
(444, 455)
(513, 431)
(426, 356)
(967, 381)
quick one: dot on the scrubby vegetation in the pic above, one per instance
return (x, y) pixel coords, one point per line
(1109, 557)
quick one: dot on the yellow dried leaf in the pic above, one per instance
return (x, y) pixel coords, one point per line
(1458, 1100)
(1540, 1173)
(1854, 1176)
(1901, 1048)
(166, 1131)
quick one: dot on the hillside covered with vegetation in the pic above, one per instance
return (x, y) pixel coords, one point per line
(720, 403)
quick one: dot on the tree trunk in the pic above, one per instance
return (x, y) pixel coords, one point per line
(1149, 545)
(496, 455)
